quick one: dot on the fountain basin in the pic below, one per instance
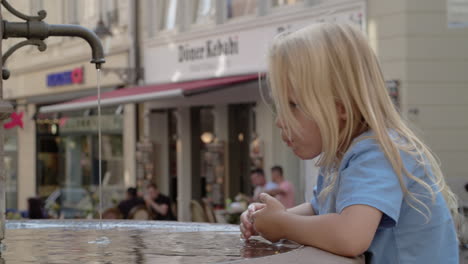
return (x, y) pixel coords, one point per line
(67, 241)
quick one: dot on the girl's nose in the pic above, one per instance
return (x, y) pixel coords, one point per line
(278, 122)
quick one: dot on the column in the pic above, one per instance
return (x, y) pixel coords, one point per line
(27, 157)
(158, 134)
(129, 145)
(221, 132)
(184, 165)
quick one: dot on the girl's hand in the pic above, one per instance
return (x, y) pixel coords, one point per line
(267, 220)
(246, 226)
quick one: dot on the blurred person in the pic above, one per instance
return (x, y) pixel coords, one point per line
(257, 178)
(112, 213)
(131, 200)
(380, 191)
(36, 208)
(285, 190)
(159, 204)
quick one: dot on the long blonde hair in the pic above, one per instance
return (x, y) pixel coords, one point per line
(326, 64)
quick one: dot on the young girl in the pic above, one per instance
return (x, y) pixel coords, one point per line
(380, 190)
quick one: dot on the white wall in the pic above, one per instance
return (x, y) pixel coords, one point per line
(415, 45)
(438, 86)
(27, 157)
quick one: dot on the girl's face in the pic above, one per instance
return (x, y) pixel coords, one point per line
(306, 143)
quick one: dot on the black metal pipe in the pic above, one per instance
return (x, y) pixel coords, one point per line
(84, 33)
(41, 30)
(136, 41)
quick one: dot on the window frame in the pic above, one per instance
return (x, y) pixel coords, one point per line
(244, 17)
(288, 8)
(162, 26)
(195, 8)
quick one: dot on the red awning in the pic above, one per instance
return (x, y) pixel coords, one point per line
(148, 93)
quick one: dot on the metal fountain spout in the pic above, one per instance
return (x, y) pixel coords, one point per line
(35, 30)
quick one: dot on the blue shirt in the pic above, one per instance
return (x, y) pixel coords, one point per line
(365, 176)
(271, 186)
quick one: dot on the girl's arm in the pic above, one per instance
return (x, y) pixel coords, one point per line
(302, 209)
(348, 234)
(246, 226)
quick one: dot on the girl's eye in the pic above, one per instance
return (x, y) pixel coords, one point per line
(292, 105)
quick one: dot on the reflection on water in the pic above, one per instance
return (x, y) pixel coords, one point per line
(100, 240)
(133, 246)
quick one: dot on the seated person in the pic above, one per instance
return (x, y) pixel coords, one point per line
(285, 191)
(257, 177)
(159, 204)
(130, 201)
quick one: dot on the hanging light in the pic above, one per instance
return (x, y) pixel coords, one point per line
(241, 137)
(207, 137)
(53, 129)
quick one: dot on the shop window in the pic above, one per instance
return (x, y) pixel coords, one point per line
(240, 136)
(170, 14)
(204, 11)
(202, 120)
(68, 164)
(239, 8)
(285, 2)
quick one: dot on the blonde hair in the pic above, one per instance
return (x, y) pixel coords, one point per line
(327, 63)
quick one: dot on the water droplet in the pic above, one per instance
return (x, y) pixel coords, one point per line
(101, 241)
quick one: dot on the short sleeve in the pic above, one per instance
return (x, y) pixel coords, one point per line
(314, 201)
(369, 179)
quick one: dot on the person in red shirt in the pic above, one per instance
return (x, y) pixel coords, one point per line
(285, 191)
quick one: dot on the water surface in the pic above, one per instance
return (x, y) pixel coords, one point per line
(174, 244)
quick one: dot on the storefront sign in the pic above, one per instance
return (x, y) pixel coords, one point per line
(109, 123)
(76, 76)
(234, 53)
(212, 48)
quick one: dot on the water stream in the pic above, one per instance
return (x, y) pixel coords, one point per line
(102, 240)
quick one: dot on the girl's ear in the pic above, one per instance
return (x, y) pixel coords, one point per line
(340, 109)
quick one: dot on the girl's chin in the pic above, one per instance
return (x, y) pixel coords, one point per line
(304, 156)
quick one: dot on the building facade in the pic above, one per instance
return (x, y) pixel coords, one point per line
(422, 57)
(207, 143)
(205, 124)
